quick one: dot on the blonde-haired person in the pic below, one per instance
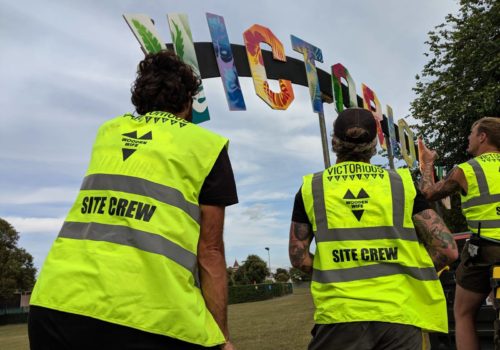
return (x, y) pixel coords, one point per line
(478, 182)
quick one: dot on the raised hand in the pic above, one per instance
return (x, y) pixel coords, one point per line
(425, 155)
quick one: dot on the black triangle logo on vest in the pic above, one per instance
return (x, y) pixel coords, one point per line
(148, 119)
(182, 125)
(172, 122)
(132, 134)
(349, 195)
(358, 214)
(359, 176)
(147, 136)
(363, 194)
(156, 120)
(330, 178)
(381, 176)
(337, 177)
(164, 120)
(344, 177)
(127, 152)
(352, 177)
(367, 176)
(374, 176)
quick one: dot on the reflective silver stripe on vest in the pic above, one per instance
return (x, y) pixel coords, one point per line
(481, 200)
(127, 236)
(397, 231)
(319, 204)
(480, 176)
(366, 233)
(482, 184)
(135, 185)
(373, 271)
(484, 224)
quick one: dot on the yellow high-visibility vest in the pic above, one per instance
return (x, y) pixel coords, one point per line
(481, 204)
(369, 264)
(127, 252)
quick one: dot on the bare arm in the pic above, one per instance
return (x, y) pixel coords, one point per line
(301, 236)
(212, 264)
(436, 237)
(441, 189)
(454, 181)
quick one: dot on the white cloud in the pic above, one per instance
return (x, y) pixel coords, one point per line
(254, 224)
(42, 195)
(69, 68)
(31, 225)
(267, 196)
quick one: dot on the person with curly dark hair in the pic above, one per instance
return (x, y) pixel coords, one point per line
(164, 83)
(139, 261)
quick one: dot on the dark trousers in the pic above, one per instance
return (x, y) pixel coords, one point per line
(55, 330)
(366, 336)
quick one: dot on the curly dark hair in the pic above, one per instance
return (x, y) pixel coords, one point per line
(163, 83)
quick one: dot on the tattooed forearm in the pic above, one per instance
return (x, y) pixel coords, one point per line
(301, 231)
(436, 238)
(300, 239)
(434, 191)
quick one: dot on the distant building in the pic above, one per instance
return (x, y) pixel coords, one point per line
(25, 297)
(235, 266)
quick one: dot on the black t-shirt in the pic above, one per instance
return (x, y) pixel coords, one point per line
(219, 187)
(299, 212)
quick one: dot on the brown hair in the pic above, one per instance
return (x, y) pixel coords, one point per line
(163, 83)
(491, 127)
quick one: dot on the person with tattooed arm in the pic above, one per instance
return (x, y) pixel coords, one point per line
(139, 261)
(378, 246)
(478, 183)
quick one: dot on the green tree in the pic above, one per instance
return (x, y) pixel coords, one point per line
(230, 276)
(281, 275)
(459, 85)
(253, 270)
(299, 276)
(17, 271)
(460, 82)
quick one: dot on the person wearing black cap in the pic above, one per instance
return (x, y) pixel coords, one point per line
(378, 245)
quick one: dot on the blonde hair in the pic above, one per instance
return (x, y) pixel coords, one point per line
(491, 127)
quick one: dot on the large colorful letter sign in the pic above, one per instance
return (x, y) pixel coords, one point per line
(368, 97)
(392, 132)
(311, 53)
(145, 32)
(339, 72)
(184, 48)
(253, 36)
(409, 157)
(225, 62)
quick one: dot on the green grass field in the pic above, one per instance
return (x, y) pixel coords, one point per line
(280, 323)
(14, 337)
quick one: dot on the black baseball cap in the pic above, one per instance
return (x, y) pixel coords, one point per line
(355, 118)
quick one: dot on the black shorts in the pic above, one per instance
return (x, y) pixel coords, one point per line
(474, 274)
(366, 336)
(55, 330)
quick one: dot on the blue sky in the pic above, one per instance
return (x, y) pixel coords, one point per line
(67, 66)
